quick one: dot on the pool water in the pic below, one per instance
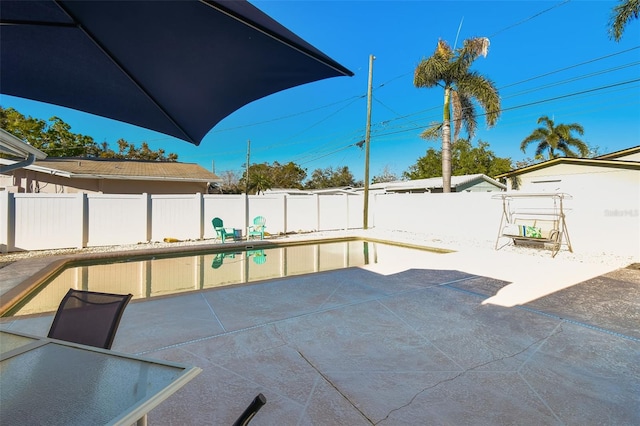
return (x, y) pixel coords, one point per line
(152, 277)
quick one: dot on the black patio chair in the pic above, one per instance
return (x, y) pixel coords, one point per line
(88, 317)
(251, 410)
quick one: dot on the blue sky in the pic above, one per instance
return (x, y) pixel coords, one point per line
(546, 58)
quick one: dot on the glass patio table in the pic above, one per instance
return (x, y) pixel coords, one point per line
(48, 381)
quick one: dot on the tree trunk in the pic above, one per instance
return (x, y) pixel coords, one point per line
(446, 142)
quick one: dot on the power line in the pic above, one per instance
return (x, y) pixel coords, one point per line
(570, 67)
(555, 98)
(529, 18)
(582, 77)
(284, 117)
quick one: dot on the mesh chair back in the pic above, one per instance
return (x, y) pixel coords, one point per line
(89, 318)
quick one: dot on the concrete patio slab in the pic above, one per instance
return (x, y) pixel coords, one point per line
(418, 343)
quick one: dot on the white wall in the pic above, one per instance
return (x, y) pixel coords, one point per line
(465, 214)
(302, 213)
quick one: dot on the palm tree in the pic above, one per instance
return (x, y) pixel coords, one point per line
(552, 138)
(260, 183)
(449, 69)
(621, 15)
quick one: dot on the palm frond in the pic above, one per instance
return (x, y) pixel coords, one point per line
(468, 115)
(484, 91)
(476, 46)
(538, 135)
(430, 72)
(444, 51)
(547, 121)
(621, 15)
(471, 49)
(581, 146)
(433, 132)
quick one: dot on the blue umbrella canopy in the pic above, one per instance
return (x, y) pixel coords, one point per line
(176, 67)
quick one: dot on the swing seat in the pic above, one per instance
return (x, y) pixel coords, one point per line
(534, 223)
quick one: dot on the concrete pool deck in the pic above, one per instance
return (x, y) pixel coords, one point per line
(472, 337)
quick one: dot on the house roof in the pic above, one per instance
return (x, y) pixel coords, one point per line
(324, 191)
(85, 168)
(596, 162)
(620, 153)
(435, 182)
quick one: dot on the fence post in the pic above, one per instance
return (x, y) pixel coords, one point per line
(146, 205)
(317, 199)
(372, 212)
(346, 224)
(284, 212)
(8, 225)
(81, 206)
(200, 207)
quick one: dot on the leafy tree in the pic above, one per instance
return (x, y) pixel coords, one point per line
(288, 175)
(428, 166)
(56, 139)
(230, 183)
(330, 178)
(465, 160)
(555, 139)
(468, 160)
(59, 141)
(266, 176)
(129, 151)
(450, 69)
(25, 128)
(386, 176)
(621, 15)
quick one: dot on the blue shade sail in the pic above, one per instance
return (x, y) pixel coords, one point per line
(176, 67)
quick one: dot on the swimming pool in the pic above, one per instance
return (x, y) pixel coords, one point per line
(149, 277)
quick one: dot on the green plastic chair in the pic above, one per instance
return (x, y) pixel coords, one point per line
(257, 229)
(221, 231)
(217, 261)
(259, 256)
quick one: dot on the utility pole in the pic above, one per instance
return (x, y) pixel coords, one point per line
(367, 142)
(246, 187)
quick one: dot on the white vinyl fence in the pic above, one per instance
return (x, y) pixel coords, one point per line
(49, 221)
(602, 222)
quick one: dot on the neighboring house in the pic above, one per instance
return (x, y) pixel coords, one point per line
(465, 183)
(107, 176)
(629, 154)
(286, 191)
(345, 190)
(610, 172)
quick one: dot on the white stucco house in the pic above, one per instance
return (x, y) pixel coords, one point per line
(618, 171)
